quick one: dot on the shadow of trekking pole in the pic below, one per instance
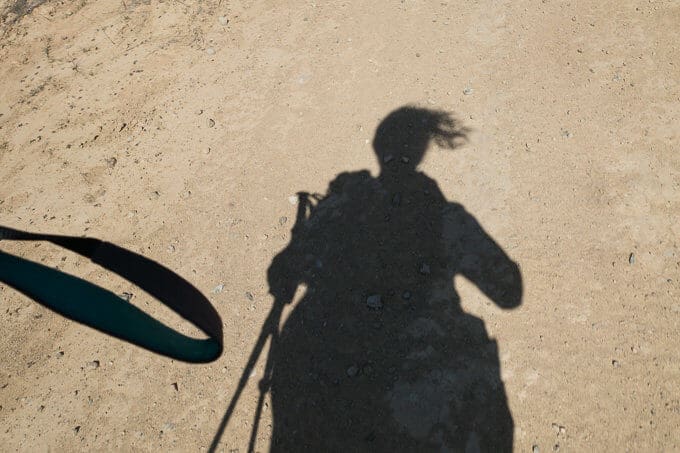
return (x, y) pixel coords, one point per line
(270, 328)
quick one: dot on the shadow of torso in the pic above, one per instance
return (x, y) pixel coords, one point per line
(377, 355)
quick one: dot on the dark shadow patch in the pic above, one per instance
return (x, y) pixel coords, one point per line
(377, 355)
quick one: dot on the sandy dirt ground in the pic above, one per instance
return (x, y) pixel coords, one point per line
(182, 130)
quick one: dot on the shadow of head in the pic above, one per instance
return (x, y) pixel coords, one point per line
(406, 133)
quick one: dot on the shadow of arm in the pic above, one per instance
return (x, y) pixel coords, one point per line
(486, 264)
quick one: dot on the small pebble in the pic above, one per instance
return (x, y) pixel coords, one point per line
(223, 20)
(374, 302)
(352, 371)
(126, 296)
(283, 220)
(250, 296)
(535, 449)
(304, 78)
(218, 289)
(406, 295)
(468, 91)
(559, 429)
(293, 199)
(175, 386)
(425, 269)
(211, 122)
(405, 159)
(631, 258)
(616, 364)
(388, 158)
(93, 365)
(210, 51)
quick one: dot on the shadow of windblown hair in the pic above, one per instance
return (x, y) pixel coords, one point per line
(412, 128)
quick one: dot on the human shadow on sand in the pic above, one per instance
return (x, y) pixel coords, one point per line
(377, 354)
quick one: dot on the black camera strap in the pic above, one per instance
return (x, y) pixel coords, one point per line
(101, 309)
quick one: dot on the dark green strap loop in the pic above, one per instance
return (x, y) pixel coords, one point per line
(89, 304)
